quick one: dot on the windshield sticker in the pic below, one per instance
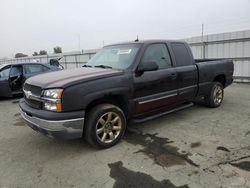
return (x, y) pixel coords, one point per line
(124, 51)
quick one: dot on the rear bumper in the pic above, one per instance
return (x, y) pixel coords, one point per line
(69, 128)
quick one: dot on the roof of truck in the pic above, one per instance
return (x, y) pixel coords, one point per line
(145, 42)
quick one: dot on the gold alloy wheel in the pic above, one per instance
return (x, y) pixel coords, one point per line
(108, 127)
(218, 94)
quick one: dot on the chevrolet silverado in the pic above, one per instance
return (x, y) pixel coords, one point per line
(125, 82)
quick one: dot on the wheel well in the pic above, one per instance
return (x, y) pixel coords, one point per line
(220, 78)
(119, 100)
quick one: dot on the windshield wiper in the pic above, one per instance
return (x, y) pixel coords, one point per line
(104, 66)
(86, 65)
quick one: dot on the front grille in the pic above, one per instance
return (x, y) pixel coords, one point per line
(35, 90)
(33, 103)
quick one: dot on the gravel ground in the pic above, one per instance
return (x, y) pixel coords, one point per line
(195, 147)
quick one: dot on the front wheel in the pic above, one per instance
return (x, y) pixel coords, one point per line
(105, 125)
(215, 97)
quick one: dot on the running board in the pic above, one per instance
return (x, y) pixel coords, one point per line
(186, 105)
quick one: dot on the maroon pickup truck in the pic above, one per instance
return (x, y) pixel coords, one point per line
(134, 81)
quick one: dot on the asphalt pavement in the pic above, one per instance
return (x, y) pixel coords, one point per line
(196, 147)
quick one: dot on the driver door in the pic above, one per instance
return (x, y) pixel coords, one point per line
(5, 90)
(156, 89)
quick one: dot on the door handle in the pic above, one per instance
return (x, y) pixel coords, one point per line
(173, 75)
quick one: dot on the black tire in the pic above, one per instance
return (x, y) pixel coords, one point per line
(215, 97)
(94, 121)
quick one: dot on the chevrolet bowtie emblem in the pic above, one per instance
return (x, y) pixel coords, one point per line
(28, 94)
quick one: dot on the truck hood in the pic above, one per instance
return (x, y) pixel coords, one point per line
(64, 78)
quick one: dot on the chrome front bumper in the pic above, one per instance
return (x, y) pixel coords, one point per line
(65, 129)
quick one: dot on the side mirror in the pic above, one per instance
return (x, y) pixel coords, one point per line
(147, 66)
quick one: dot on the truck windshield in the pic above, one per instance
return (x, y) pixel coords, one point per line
(116, 56)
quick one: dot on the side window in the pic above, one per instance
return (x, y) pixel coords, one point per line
(181, 54)
(32, 69)
(159, 54)
(16, 71)
(4, 73)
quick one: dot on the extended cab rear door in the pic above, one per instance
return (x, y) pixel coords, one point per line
(187, 73)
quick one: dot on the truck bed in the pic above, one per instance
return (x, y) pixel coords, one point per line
(209, 69)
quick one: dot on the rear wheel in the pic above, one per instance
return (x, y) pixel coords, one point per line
(215, 97)
(105, 125)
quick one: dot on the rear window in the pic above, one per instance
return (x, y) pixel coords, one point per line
(181, 54)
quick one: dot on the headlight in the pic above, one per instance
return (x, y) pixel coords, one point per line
(52, 99)
(53, 93)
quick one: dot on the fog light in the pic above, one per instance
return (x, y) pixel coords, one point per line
(50, 106)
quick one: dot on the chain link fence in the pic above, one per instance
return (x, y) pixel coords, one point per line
(68, 60)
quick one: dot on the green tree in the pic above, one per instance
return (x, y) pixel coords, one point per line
(43, 52)
(18, 55)
(57, 50)
(35, 54)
